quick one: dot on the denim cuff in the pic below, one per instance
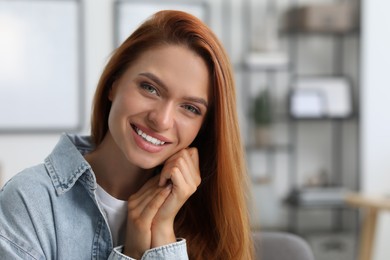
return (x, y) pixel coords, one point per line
(174, 251)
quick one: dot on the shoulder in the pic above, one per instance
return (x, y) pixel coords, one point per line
(30, 184)
(34, 175)
(25, 212)
(27, 198)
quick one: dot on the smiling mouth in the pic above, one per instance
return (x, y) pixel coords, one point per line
(148, 138)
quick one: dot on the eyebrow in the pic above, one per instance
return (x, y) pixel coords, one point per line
(157, 80)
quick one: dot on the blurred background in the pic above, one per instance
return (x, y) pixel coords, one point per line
(311, 82)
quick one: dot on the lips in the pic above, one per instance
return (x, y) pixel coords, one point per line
(154, 140)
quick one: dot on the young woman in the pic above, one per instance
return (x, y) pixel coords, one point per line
(162, 175)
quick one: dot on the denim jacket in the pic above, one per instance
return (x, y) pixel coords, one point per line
(50, 211)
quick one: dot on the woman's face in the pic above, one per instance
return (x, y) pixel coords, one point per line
(159, 105)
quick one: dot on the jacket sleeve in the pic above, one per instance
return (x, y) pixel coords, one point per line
(174, 251)
(10, 248)
(17, 235)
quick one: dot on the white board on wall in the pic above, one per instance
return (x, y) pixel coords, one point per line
(40, 65)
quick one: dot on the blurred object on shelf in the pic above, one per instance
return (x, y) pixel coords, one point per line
(262, 118)
(266, 34)
(266, 60)
(261, 179)
(263, 135)
(320, 98)
(317, 179)
(265, 52)
(318, 196)
(322, 18)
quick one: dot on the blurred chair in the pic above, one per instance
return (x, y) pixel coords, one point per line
(281, 246)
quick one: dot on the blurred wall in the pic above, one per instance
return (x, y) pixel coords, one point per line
(23, 150)
(375, 120)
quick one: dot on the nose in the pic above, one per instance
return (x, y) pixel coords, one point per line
(161, 117)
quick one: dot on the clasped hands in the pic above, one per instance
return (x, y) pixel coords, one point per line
(152, 209)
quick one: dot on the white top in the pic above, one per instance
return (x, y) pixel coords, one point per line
(115, 212)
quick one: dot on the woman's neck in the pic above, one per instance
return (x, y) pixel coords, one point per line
(113, 171)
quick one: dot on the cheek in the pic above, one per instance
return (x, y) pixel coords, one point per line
(119, 111)
(188, 132)
(123, 106)
(115, 111)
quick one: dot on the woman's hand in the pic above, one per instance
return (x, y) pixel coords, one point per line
(152, 210)
(182, 172)
(142, 208)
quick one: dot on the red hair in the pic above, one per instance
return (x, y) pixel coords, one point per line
(215, 219)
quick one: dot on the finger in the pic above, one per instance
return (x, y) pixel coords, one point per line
(144, 200)
(180, 193)
(145, 194)
(187, 165)
(178, 162)
(181, 186)
(189, 168)
(150, 183)
(177, 178)
(137, 201)
(150, 210)
(193, 151)
(165, 176)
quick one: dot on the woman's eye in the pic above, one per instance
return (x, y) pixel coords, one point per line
(192, 109)
(149, 88)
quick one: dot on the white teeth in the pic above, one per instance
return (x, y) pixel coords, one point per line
(148, 138)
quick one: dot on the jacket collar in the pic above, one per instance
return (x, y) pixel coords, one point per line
(66, 163)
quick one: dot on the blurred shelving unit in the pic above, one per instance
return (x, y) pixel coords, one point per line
(327, 189)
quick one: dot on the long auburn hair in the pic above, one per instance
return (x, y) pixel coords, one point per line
(215, 219)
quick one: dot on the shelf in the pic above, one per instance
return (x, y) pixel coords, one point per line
(317, 198)
(260, 180)
(270, 148)
(321, 119)
(289, 33)
(318, 206)
(268, 61)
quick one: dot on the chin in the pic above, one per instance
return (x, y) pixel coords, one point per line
(146, 163)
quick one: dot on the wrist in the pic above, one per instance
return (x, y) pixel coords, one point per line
(130, 251)
(163, 235)
(131, 254)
